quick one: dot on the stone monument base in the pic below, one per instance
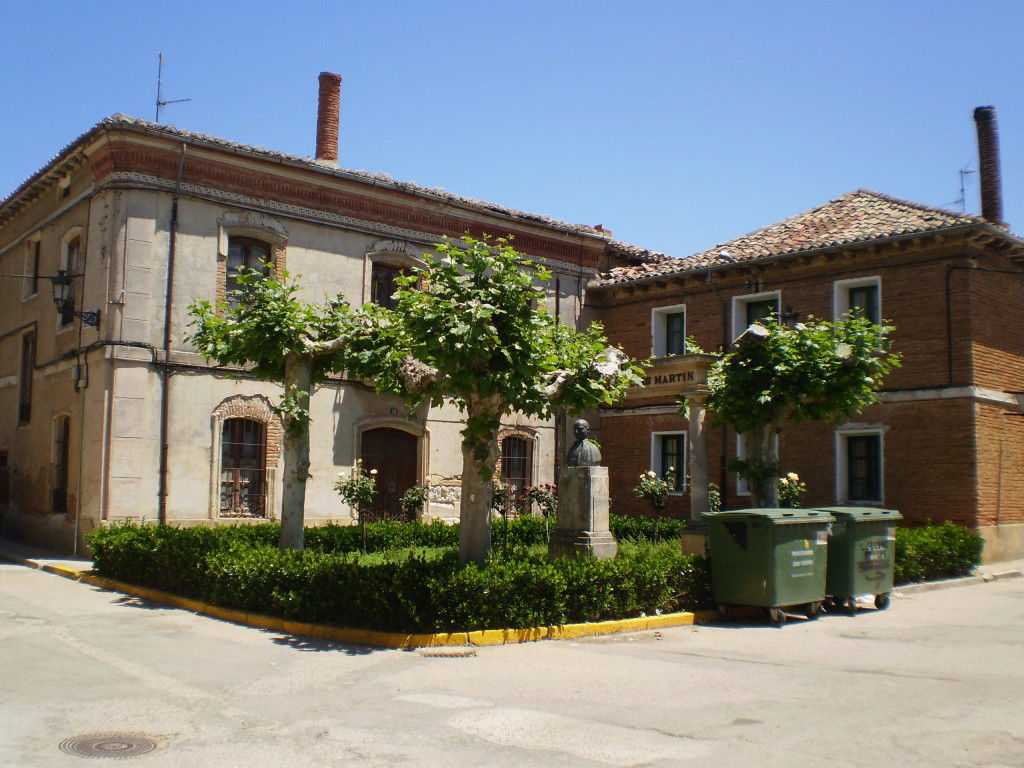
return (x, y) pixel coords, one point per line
(582, 527)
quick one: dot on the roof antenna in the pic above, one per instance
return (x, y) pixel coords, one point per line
(964, 173)
(160, 102)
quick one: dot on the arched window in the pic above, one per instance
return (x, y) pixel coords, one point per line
(383, 285)
(243, 468)
(244, 252)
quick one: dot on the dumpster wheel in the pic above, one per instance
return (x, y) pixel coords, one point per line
(851, 605)
(776, 616)
(882, 601)
(811, 610)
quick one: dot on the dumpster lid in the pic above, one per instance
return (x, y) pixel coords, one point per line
(776, 516)
(865, 514)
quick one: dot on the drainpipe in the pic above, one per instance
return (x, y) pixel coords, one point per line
(165, 372)
(81, 390)
(723, 456)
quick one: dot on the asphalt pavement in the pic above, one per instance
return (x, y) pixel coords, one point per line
(935, 680)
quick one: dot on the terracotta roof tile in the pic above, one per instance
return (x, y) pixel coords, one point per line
(856, 217)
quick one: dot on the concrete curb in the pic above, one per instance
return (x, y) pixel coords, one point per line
(957, 581)
(370, 637)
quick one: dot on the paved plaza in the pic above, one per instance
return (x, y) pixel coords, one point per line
(937, 680)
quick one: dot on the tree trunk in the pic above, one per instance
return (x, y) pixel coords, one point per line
(478, 463)
(298, 374)
(764, 489)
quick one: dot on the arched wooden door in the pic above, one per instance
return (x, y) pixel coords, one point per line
(392, 452)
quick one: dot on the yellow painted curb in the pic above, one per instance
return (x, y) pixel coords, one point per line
(389, 639)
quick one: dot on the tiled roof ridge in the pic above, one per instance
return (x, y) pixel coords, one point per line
(859, 216)
(122, 120)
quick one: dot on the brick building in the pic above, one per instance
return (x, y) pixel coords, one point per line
(946, 440)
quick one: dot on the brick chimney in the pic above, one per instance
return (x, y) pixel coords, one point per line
(988, 165)
(328, 115)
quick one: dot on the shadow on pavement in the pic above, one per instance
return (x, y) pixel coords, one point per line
(312, 644)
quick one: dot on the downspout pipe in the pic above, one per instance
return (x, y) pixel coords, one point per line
(165, 372)
(723, 456)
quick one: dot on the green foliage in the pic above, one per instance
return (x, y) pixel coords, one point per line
(545, 496)
(414, 590)
(475, 323)
(714, 498)
(414, 499)
(358, 488)
(817, 371)
(791, 490)
(654, 489)
(936, 551)
(639, 529)
(267, 324)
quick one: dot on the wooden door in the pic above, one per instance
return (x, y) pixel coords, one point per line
(392, 452)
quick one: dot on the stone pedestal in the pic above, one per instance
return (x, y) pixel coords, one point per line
(582, 514)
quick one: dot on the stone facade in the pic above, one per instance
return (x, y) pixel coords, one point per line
(118, 189)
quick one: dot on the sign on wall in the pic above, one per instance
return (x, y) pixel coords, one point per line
(674, 375)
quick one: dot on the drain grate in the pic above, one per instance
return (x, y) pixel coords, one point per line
(447, 653)
(116, 746)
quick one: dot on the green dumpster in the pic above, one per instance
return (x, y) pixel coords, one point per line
(861, 554)
(770, 558)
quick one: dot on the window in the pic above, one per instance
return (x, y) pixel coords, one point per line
(517, 463)
(72, 251)
(61, 451)
(668, 330)
(742, 486)
(383, 285)
(668, 454)
(243, 468)
(859, 467)
(862, 295)
(243, 253)
(747, 310)
(28, 362)
(32, 269)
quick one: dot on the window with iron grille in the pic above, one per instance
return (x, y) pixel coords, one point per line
(61, 454)
(517, 463)
(28, 362)
(243, 468)
(383, 285)
(675, 334)
(243, 253)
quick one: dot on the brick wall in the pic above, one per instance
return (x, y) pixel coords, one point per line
(1000, 469)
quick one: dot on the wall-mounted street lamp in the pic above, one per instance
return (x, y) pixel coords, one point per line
(61, 285)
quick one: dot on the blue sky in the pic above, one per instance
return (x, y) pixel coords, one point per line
(677, 125)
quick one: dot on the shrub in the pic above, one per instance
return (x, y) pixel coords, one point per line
(416, 589)
(936, 551)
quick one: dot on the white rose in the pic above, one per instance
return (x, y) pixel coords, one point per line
(793, 476)
(373, 471)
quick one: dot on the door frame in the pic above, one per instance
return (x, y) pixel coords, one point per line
(414, 428)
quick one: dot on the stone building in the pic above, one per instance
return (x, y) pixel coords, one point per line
(123, 420)
(946, 441)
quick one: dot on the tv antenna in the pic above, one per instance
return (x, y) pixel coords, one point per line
(964, 173)
(160, 101)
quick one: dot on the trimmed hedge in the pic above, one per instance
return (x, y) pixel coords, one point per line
(411, 591)
(936, 552)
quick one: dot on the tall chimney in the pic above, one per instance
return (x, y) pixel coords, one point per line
(988, 165)
(328, 114)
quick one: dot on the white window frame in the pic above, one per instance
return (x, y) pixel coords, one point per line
(655, 463)
(842, 464)
(841, 294)
(742, 484)
(739, 308)
(659, 327)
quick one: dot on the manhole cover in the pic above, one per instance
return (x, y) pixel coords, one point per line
(111, 745)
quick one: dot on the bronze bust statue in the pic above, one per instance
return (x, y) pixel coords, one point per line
(583, 452)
